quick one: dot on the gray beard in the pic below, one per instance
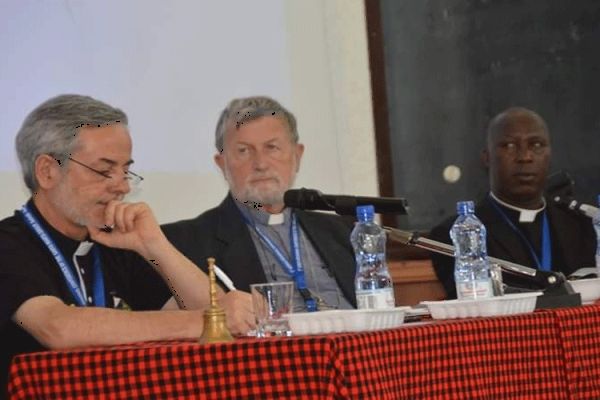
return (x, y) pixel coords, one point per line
(253, 195)
(259, 199)
(61, 202)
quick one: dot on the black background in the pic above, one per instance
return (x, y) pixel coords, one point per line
(450, 66)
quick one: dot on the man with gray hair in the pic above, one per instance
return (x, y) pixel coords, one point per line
(76, 243)
(252, 235)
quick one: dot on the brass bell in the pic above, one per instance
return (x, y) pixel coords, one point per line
(215, 328)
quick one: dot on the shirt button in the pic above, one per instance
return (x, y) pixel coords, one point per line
(90, 299)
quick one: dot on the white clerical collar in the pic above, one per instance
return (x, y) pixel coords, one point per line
(83, 248)
(276, 219)
(256, 213)
(525, 215)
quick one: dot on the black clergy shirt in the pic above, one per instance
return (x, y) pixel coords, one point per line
(27, 270)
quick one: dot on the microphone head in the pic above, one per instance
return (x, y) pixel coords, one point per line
(560, 184)
(310, 199)
(305, 199)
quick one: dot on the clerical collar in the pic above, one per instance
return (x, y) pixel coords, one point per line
(525, 215)
(256, 214)
(68, 245)
(83, 248)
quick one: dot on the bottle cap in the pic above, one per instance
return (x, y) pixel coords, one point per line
(465, 207)
(365, 213)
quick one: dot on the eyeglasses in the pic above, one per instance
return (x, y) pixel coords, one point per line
(132, 178)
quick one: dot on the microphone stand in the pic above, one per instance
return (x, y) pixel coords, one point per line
(543, 279)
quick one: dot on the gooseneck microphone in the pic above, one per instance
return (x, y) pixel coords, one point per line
(560, 188)
(572, 204)
(311, 199)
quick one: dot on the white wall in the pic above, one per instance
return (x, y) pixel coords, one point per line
(172, 66)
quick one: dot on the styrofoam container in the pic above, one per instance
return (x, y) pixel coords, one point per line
(588, 288)
(509, 304)
(333, 321)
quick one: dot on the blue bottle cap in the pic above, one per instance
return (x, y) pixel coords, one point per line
(365, 213)
(465, 207)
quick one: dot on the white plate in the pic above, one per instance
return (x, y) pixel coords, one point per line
(516, 303)
(312, 323)
(418, 311)
(588, 288)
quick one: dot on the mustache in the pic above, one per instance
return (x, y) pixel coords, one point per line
(256, 177)
(108, 200)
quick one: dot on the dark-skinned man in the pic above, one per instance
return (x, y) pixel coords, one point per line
(522, 226)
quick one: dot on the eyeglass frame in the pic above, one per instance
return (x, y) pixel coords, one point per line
(129, 176)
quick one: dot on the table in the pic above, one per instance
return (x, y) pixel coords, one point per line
(551, 354)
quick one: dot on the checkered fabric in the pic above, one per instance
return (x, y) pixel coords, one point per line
(515, 357)
(259, 369)
(579, 329)
(552, 354)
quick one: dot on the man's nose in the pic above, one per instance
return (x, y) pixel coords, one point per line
(120, 184)
(524, 153)
(260, 161)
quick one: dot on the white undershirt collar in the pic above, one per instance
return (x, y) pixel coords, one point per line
(525, 215)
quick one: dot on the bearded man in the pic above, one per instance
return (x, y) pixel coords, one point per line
(252, 235)
(79, 266)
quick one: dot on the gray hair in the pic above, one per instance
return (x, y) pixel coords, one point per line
(51, 128)
(247, 109)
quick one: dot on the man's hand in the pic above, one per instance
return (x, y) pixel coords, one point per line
(239, 312)
(134, 227)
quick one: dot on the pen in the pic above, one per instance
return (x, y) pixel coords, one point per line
(224, 278)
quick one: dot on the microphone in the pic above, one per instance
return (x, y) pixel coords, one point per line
(584, 209)
(560, 184)
(311, 199)
(559, 187)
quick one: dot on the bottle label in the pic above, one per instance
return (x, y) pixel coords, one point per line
(474, 289)
(371, 299)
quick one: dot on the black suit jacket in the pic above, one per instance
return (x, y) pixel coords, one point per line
(573, 238)
(222, 233)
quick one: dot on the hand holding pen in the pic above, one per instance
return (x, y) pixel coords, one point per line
(231, 287)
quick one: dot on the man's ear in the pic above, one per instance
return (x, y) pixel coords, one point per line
(485, 158)
(299, 152)
(220, 161)
(47, 171)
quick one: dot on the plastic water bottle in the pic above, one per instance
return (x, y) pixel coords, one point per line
(374, 287)
(596, 221)
(471, 268)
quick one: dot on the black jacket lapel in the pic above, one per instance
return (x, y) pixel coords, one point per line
(237, 246)
(329, 240)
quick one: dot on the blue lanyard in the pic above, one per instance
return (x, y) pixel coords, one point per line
(546, 264)
(77, 292)
(295, 268)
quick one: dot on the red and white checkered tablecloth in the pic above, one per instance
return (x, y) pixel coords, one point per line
(551, 354)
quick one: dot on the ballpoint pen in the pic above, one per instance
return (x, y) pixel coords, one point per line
(224, 278)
